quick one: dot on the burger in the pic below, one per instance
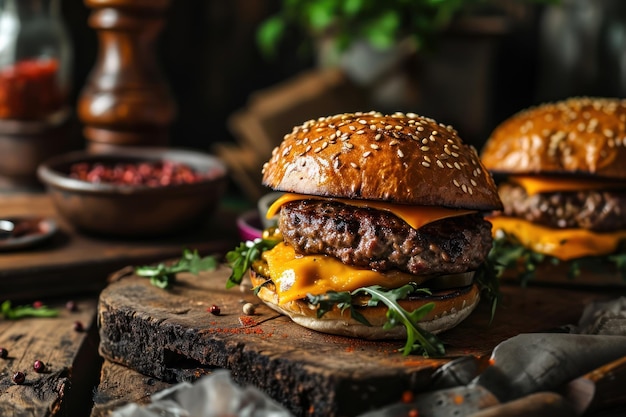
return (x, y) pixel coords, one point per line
(376, 208)
(563, 171)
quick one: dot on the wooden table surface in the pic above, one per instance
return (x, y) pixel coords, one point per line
(71, 262)
(82, 381)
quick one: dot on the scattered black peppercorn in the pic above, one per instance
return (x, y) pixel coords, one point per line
(3, 353)
(78, 326)
(215, 310)
(19, 378)
(71, 306)
(39, 366)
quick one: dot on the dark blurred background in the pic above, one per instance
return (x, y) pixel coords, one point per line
(473, 78)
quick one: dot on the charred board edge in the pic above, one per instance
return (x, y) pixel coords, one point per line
(172, 353)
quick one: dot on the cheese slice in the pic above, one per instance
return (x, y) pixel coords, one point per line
(540, 184)
(414, 216)
(318, 274)
(564, 244)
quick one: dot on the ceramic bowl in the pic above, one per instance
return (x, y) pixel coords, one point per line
(134, 210)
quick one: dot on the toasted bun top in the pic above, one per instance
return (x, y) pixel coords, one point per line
(405, 159)
(575, 136)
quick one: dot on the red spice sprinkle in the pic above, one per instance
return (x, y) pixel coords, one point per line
(407, 397)
(413, 413)
(37, 304)
(247, 321)
(78, 326)
(492, 361)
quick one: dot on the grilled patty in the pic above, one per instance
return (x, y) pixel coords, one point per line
(379, 240)
(600, 211)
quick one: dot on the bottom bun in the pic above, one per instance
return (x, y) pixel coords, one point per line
(451, 308)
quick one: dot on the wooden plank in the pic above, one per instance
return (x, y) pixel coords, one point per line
(72, 262)
(120, 385)
(70, 356)
(170, 335)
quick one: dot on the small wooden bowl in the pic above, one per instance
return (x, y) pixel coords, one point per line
(134, 210)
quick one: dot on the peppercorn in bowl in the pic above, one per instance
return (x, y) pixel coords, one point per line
(134, 192)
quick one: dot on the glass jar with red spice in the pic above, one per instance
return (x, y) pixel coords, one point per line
(35, 77)
(35, 59)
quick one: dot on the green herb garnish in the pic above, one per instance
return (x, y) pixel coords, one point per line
(163, 275)
(18, 312)
(241, 258)
(418, 339)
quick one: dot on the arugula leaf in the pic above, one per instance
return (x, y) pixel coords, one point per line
(418, 339)
(163, 275)
(18, 312)
(240, 259)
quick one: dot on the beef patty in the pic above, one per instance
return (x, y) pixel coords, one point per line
(381, 241)
(600, 211)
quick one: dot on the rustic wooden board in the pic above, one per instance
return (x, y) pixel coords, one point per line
(71, 358)
(170, 335)
(120, 385)
(72, 262)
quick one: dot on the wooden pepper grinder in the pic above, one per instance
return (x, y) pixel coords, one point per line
(126, 100)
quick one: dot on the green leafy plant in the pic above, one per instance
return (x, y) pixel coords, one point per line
(380, 22)
(164, 275)
(418, 340)
(14, 313)
(240, 259)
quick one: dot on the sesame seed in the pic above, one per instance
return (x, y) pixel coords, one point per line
(366, 154)
(434, 133)
(425, 148)
(456, 183)
(316, 150)
(464, 188)
(363, 122)
(456, 165)
(469, 190)
(420, 128)
(398, 127)
(400, 153)
(353, 165)
(424, 141)
(360, 132)
(393, 143)
(373, 127)
(449, 165)
(324, 145)
(286, 152)
(348, 145)
(426, 164)
(473, 182)
(378, 136)
(374, 146)
(352, 128)
(454, 154)
(439, 163)
(426, 158)
(308, 148)
(447, 151)
(388, 127)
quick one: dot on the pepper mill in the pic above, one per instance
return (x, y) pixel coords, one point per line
(126, 100)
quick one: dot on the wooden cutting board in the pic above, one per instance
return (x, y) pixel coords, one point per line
(170, 335)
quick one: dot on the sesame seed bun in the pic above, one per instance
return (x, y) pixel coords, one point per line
(447, 313)
(576, 136)
(405, 159)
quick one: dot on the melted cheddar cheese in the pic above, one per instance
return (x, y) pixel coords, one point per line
(318, 274)
(540, 184)
(564, 244)
(414, 216)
